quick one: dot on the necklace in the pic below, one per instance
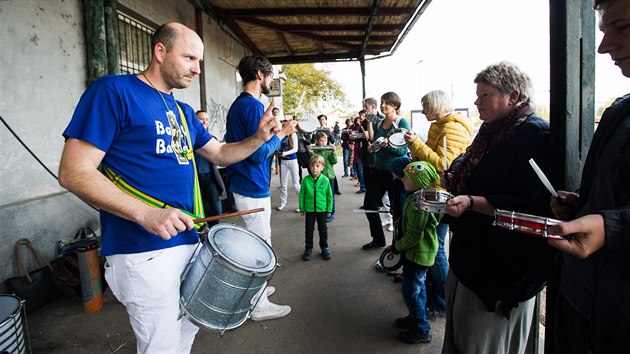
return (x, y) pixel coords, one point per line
(182, 151)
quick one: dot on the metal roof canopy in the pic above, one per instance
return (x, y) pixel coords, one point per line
(310, 31)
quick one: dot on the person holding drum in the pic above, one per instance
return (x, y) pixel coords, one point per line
(381, 178)
(289, 165)
(420, 244)
(449, 136)
(249, 179)
(591, 309)
(495, 274)
(329, 155)
(132, 129)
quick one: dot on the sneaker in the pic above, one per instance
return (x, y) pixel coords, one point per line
(280, 207)
(361, 191)
(326, 254)
(307, 254)
(297, 210)
(337, 193)
(331, 218)
(270, 312)
(385, 223)
(390, 228)
(403, 322)
(371, 246)
(345, 175)
(270, 290)
(414, 337)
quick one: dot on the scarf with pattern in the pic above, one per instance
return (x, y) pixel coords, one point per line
(490, 135)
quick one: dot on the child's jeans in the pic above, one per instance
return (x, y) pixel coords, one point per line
(415, 296)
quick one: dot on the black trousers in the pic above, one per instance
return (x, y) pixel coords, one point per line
(311, 217)
(379, 183)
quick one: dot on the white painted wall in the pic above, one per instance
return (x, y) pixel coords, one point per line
(42, 77)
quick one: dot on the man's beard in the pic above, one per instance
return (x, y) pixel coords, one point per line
(265, 89)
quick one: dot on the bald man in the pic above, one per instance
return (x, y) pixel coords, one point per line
(143, 139)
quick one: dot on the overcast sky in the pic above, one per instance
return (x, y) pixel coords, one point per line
(454, 40)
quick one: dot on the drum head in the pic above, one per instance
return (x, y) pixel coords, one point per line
(396, 138)
(9, 305)
(242, 248)
(308, 125)
(390, 261)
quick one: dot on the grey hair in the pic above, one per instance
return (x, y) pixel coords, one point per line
(438, 102)
(507, 77)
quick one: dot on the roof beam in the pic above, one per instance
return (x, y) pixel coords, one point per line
(314, 11)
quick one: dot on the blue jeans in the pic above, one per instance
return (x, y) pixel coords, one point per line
(358, 167)
(415, 296)
(332, 187)
(436, 275)
(346, 155)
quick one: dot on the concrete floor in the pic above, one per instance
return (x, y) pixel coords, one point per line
(338, 306)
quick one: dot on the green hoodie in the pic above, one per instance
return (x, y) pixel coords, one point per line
(330, 158)
(419, 241)
(316, 195)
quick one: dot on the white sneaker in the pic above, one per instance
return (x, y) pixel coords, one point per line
(297, 210)
(270, 312)
(280, 207)
(390, 228)
(385, 223)
(270, 290)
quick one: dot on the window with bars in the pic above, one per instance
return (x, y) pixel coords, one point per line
(134, 38)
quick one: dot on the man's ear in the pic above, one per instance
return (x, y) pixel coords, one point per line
(159, 51)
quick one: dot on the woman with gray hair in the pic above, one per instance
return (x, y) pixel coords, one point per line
(496, 273)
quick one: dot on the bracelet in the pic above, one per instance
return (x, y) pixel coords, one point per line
(472, 202)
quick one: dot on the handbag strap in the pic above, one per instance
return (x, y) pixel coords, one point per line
(19, 263)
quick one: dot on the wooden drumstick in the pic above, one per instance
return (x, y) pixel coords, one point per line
(228, 215)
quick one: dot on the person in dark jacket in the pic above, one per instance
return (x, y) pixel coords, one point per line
(496, 273)
(591, 311)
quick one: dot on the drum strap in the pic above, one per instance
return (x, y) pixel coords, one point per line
(198, 211)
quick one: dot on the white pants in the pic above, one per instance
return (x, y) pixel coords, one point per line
(148, 285)
(288, 166)
(386, 217)
(258, 223)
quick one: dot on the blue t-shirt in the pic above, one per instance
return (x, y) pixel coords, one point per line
(249, 177)
(126, 118)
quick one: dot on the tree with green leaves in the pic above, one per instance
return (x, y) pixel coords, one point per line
(317, 85)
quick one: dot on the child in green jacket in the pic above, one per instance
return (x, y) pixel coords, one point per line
(419, 244)
(316, 201)
(330, 158)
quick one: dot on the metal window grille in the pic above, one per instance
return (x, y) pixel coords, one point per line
(135, 44)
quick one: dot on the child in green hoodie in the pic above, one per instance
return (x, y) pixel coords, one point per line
(316, 202)
(419, 244)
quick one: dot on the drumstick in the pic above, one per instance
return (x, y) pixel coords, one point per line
(445, 162)
(228, 215)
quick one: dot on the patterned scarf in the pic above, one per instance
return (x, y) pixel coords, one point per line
(490, 135)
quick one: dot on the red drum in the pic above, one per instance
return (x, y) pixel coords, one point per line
(525, 223)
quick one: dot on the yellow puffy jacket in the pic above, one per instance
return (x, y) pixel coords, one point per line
(456, 128)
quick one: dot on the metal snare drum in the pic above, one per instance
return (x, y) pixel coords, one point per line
(308, 125)
(432, 200)
(220, 282)
(13, 325)
(396, 138)
(524, 223)
(325, 147)
(376, 145)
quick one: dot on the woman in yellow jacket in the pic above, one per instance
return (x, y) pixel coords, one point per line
(455, 128)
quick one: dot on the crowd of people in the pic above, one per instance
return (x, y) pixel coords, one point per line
(485, 290)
